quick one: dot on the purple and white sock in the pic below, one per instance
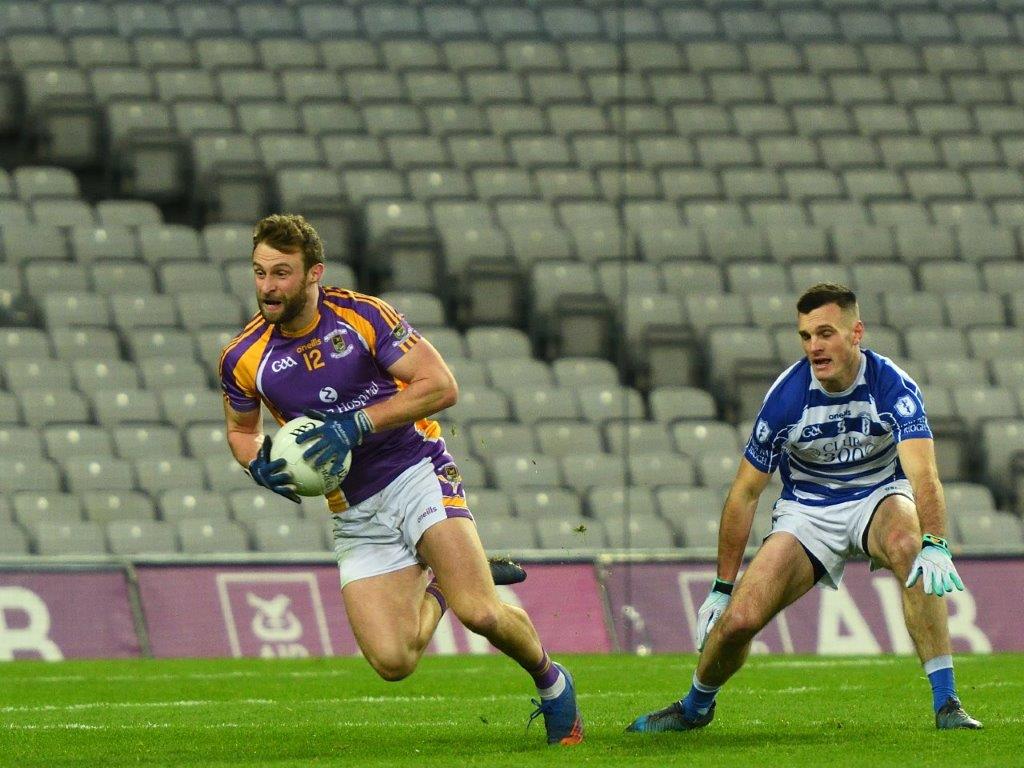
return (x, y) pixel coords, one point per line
(548, 678)
(437, 594)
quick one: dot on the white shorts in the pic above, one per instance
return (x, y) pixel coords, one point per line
(379, 534)
(835, 533)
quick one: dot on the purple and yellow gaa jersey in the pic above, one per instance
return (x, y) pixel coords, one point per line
(338, 363)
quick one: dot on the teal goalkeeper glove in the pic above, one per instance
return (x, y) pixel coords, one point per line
(711, 610)
(934, 566)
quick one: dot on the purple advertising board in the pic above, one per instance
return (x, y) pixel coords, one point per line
(55, 615)
(279, 611)
(654, 607)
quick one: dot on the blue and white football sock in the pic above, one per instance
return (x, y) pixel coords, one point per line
(940, 675)
(699, 700)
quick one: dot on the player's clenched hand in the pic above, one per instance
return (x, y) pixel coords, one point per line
(934, 567)
(711, 610)
(339, 434)
(272, 474)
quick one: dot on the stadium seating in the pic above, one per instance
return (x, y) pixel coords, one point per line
(602, 221)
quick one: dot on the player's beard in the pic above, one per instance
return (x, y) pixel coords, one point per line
(291, 306)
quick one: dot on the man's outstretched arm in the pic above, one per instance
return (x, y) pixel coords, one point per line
(738, 517)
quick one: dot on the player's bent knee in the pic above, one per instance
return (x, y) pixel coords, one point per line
(481, 618)
(901, 547)
(393, 667)
(739, 625)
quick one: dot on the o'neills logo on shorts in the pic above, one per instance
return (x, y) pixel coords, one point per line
(426, 513)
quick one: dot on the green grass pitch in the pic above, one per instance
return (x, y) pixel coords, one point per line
(472, 711)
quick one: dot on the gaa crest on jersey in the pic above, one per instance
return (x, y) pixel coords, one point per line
(762, 431)
(906, 407)
(451, 475)
(400, 332)
(340, 346)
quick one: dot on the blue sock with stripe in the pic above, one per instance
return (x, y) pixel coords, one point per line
(699, 700)
(940, 675)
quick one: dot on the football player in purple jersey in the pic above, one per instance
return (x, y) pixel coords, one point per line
(405, 541)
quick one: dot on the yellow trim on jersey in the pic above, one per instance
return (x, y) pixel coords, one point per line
(453, 501)
(242, 336)
(308, 329)
(337, 502)
(428, 429)
(278, 416)
(389, 313)
(386, 310)
(249, 363)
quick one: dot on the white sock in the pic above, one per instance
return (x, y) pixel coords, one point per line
(556, 688)
(939, 662)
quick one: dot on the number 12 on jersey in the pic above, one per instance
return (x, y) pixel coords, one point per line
(313, 359)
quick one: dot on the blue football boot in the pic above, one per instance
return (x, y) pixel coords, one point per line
(562, 718)
(671, 718)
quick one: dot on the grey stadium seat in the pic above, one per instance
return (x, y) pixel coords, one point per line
(199, 536)
(145, 441)
(584, 470)
(525, 470)
(541, 503)
(650, 468)
(506, 534)
(83, 538)
(570, 534)
(114, 406)
(253, 504)
(134, 537)
(271, 535)
(51, 406)
(560, 438)
(627, 437)
(490, 439)
(699, 529)
(92, 473)
(160, 473)
(63, 441)
(638, 530)
(992, 529)
(179, 504)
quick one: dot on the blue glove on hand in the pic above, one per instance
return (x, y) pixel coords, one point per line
(337, 436)
(711, 610)
(934, 566)
(269, 473)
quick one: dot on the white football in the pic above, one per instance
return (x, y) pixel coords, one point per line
(309, 481)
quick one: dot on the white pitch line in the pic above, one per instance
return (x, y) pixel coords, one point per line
(263, 675)
(241, 673)
(129, 704)
(399, 700)
(204, 726)
(836, 662)
(335, 723)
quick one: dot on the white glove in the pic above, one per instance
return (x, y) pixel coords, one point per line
(711, 609)
(934, 566)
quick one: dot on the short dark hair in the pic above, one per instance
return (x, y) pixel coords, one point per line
(826, 293)
(288, 233)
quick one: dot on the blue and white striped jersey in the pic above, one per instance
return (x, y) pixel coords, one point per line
(835, 447)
